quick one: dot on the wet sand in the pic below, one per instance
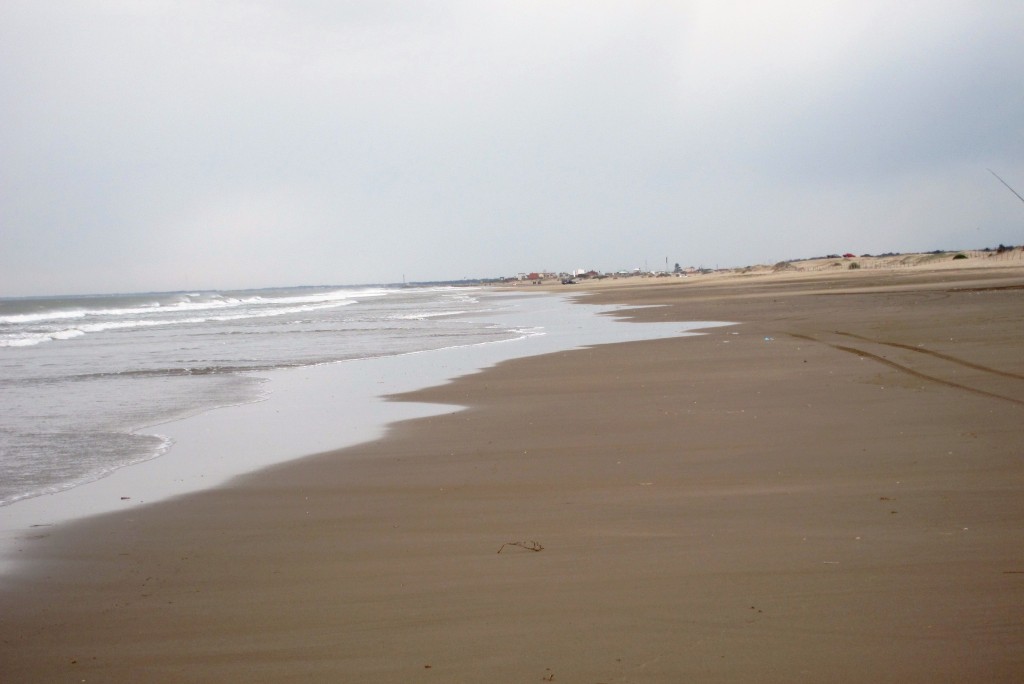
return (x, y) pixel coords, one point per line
(828, 491)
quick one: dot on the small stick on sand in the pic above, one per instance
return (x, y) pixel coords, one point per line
(528, 545)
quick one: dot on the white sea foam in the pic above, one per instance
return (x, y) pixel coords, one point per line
(338, 295)
(188, 303)
(425, 314)
(32, 338)
(20, 319)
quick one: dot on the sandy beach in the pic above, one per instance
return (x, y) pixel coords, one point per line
(829, 490)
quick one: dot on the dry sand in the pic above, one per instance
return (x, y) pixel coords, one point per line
(828, 491)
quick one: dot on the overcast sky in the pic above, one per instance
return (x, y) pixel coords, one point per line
(169, 144)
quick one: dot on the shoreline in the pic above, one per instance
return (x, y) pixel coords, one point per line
(828, 491)
(304, 413)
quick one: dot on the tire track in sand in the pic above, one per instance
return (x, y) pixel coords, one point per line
(938, 355)
(916, 373)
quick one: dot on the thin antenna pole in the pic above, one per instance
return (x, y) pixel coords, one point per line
(1007, 185)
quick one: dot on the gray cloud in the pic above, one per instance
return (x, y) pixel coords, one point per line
(187, 145)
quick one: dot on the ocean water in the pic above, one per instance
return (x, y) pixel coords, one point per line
(85, 382)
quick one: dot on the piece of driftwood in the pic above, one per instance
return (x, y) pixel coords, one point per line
(528, 545)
